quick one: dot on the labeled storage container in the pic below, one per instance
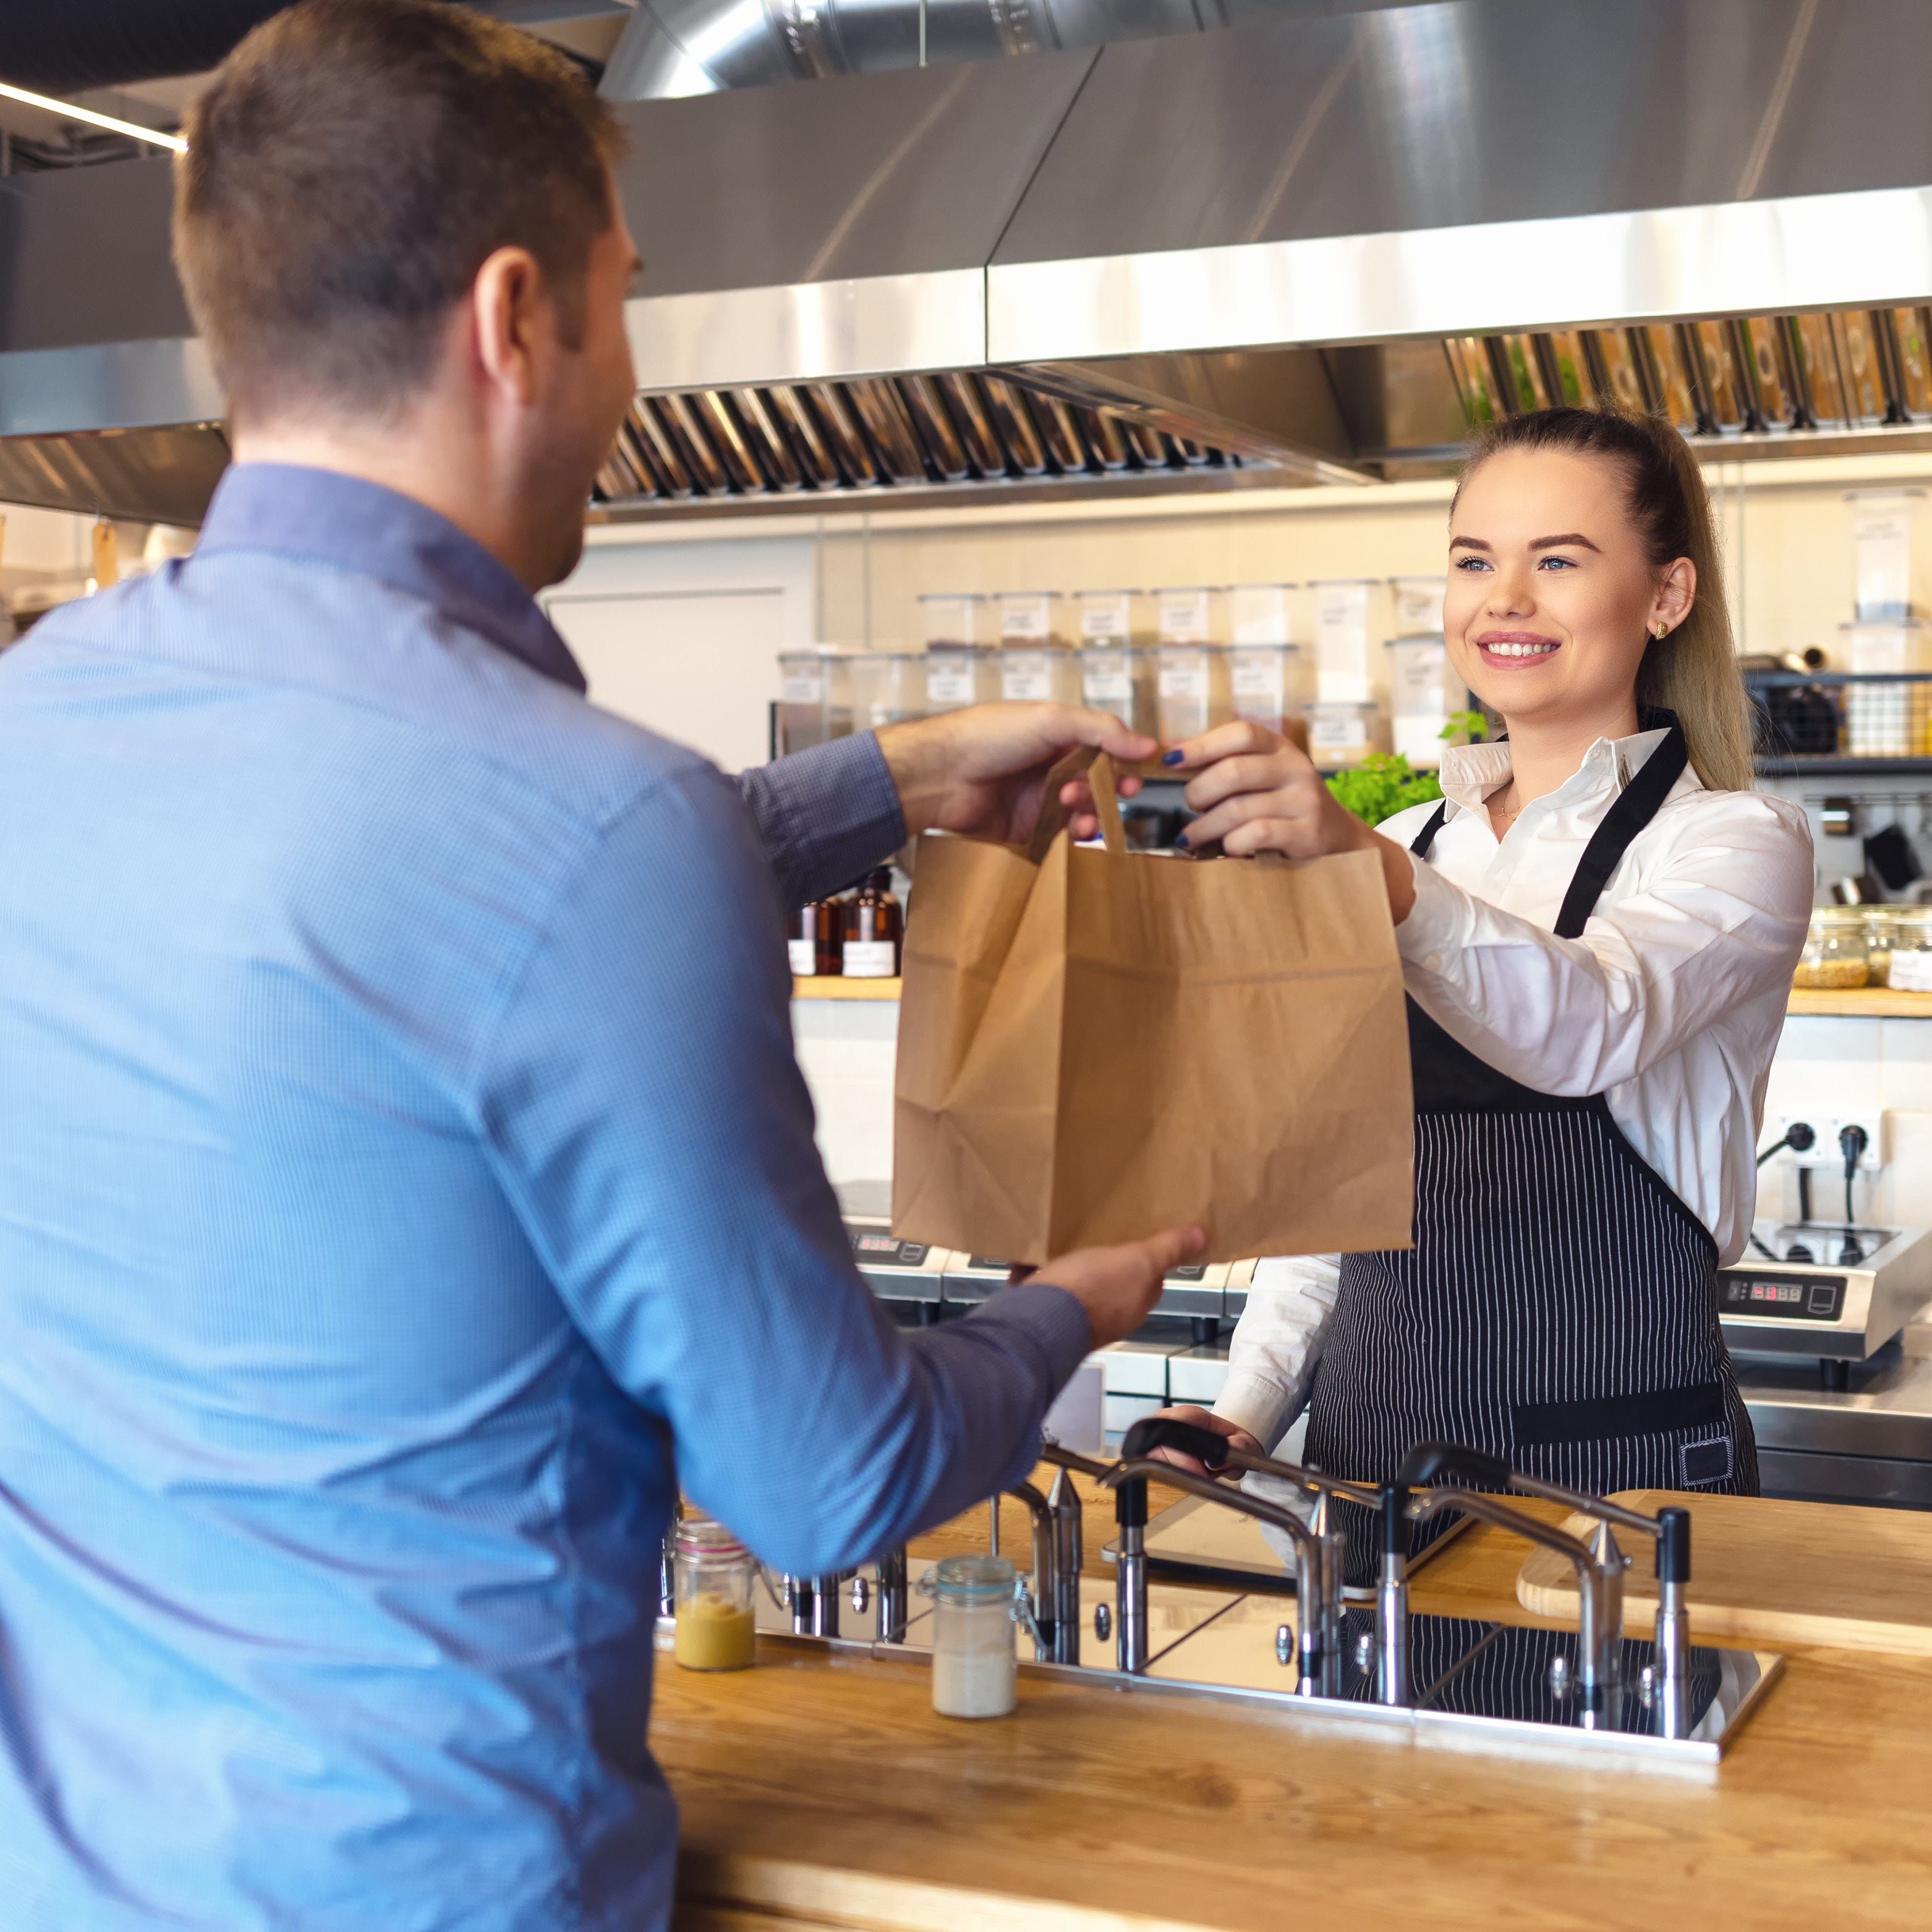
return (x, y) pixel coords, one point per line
(1120, 678)
(1031, 617)
(1344, 734)
(1267, 684)
(888, 687)
(1350, 621)
(1423, 692)
(1034, 673)
(1909, 958)
(1192, 691)
(1836, 958)
(975, 1662)
(957, 675)
(1264, 613)
(958, 617)
(814, 939)
(1418, 602)
(1110, 616)
(1883, 522)
(875, 929)
(1191, 614)
(814, 698)
(715, 1576)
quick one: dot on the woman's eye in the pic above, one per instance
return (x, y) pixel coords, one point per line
(1558, 563)
(1472, 563)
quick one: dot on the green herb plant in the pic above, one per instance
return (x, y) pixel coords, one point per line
(1382, 785)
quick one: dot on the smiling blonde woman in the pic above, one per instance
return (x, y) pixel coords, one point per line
(1598, 925)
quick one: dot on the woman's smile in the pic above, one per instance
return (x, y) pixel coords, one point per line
(1514, 649)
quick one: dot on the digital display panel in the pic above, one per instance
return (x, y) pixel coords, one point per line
(1782, 1297)
(870, 1245)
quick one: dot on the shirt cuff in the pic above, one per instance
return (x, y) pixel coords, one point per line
(1253, 1402)
(827, 816)
(1437, 925)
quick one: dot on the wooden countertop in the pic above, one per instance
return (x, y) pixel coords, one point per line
(822, 1792)
(1862, 1003)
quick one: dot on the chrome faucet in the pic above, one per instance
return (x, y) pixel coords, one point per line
(1039, 1607)
(1669, 1529)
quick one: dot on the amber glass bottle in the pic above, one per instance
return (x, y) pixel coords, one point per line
(873, 930)
(814, 938)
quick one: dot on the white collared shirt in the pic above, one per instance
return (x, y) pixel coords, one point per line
(1670, 1003)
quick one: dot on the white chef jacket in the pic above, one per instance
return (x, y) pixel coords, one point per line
(1670, 1003)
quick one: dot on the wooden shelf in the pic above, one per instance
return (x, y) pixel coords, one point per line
(1866, 1003)
(835, 987)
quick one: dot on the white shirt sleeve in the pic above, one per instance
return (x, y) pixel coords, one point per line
(1272, 1355)
(1717, 922)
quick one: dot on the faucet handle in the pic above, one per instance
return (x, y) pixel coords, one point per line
(1167, 1431)
(1427, 1461)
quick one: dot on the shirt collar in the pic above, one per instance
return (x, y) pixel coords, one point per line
(1470, 773)
(324, 517)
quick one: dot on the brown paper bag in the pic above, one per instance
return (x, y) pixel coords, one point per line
(1095, 1045)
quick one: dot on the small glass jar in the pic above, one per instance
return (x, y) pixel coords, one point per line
(814, 939)
(1835, 958)
(873, 928)
(1880, 923)
(1909, 960)
(975, 1667)
(715, 1577)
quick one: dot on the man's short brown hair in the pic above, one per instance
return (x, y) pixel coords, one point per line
(350, 167)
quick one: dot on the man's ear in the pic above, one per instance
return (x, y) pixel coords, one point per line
(512, 326)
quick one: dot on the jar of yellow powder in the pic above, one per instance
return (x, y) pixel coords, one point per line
(716, 1575)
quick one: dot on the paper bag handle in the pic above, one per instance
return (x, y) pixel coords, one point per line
(1099, 769)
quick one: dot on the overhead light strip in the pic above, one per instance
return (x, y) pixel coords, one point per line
(109, 121)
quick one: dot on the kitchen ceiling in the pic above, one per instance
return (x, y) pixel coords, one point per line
(1313, 247)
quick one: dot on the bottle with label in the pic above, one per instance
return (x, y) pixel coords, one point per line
(814, 939)
(873, 930)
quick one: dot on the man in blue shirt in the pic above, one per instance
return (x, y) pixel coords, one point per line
(406, 1182)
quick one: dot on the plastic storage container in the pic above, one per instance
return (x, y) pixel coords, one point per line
(1344, 734)
(1423, 693)
(958, 617)
(1351, 620)
(1120, 678)
(1110, 616)
(957, 675)
(1264, 613)
(1836, 957)
(1882, 522)
(887, 686)
(1032, 672)
(1192, 690)
(975, 1665)
(1909, 958)
(1031, 617)
(814, 698)
(1267, 683)
(716, 1574)
(1418, 602)
(1194, 613)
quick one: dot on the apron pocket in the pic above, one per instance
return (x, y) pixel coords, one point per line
(1651, 1412)
(1707, 1461)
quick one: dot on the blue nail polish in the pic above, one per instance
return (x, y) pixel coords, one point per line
(1172, 757)
(1181, 842)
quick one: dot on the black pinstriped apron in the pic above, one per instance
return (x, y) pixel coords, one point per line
(1558, 1308)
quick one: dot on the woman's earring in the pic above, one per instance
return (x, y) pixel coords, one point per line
(1662, 629)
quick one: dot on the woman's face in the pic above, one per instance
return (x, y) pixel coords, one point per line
(1551, 601)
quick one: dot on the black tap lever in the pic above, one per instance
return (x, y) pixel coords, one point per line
(1167, 1432)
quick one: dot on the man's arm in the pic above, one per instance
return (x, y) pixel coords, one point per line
(649, 1121)
(827, 815)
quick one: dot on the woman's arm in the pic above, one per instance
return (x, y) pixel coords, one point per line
(1720, 921)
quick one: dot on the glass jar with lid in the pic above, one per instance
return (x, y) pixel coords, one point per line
(1910, 954)
(975, 1666)
(1836, 958)
(715, 1575)
(1880, 922)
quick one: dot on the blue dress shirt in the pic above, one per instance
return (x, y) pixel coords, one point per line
(402, 1161)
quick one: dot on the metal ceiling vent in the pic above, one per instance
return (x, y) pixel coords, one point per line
(889, 433)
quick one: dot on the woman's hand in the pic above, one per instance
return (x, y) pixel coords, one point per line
(1204, 1418)
(1256, 792)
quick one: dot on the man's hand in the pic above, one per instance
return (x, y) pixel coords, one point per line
(1205, 1418)
(983, 771)
(1255, 792)
(1118, 1287)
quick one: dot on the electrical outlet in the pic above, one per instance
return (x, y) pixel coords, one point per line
(1824, 1153)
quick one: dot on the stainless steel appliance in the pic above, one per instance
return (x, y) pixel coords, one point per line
(1819, 1318)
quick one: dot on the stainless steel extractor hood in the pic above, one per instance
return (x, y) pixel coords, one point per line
(1316, 246)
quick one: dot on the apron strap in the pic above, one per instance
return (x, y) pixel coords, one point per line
(1426, 838)
(1634, 809)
